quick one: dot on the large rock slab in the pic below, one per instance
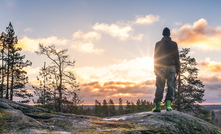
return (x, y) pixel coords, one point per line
(166, 121)
(24, 119)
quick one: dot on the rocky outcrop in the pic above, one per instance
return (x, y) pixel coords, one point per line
(166, 122)
(20, 118)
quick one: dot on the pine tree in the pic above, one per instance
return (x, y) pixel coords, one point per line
(149, 106)
(44, 91)
(120, 109)
(19, 76)
(139, 107)
(97, 108)
(144, 104)
(128, 108)
(11, 40)
(134, 108)
(88, 111)
(54, 84)
(73, 106)
(111, 107)
(104, 108)
(213, 116)
(3, 66)
(12, 65)
(17, 64)
(191, 90)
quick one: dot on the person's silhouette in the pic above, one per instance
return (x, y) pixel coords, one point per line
(166, 65)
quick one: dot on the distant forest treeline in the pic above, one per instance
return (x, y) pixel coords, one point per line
(108, 108)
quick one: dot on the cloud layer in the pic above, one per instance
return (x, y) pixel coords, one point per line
(210, 66)
(84, 42)
(124, 31)
(28, 44)
(135, 70)
(148, 19)
(114, 90)
(198, 35)
(129, 80)
(206, 38)
(114, 30)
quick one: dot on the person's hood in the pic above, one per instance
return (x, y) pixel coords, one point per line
(166, 39)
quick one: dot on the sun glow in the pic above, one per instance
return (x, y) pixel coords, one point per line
(134, 70)
(123, 86)
(122, 94)
(95, 90)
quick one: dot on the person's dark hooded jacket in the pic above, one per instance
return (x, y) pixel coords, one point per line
(166, 54)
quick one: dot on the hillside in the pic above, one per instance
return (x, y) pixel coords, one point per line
(20, 118)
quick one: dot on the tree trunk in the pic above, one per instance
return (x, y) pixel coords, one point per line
(7, 87)
(12, 78)
(178, 96)
(11, 90)
(55, 90)
(60, 87)
(55, 101)
(2, 71)
(44, 85)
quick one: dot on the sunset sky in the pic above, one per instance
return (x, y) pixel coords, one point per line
(112, 41)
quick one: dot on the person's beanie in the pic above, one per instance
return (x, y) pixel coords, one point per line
(166, 31)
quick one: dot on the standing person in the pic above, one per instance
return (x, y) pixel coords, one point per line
(166, 65)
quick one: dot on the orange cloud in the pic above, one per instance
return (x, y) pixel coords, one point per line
(211, 66)
(28, 44)
(122, 94)
(198, 35)
(114, 90)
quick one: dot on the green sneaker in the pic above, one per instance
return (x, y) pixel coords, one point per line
(157, 108)
(168, 104)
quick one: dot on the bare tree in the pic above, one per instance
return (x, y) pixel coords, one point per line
(67, 84)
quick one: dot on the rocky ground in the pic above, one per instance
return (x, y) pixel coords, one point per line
(21, 119)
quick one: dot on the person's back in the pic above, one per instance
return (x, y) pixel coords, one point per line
(166, 65)
(166, 52)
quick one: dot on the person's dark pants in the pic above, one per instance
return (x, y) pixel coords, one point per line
(163, 74)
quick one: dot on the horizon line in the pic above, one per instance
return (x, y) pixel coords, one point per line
(199, 104)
